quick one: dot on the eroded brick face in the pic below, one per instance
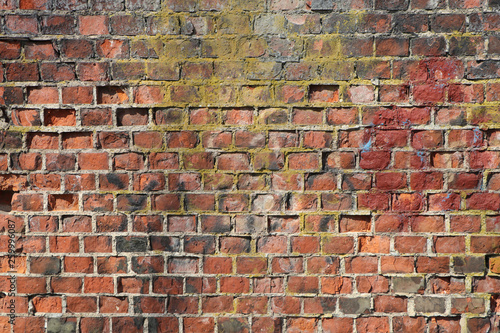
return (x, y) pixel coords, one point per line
(250, 166)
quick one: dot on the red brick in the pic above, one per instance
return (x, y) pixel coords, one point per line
(81, 304)
(392, 46)
(449, 244)
(93, 161)
(408, 324)
(203, 116)
(233, 161)
(286, 304)
(27, 202)
(484, 159)
(448, 160)
(43, 95)
(322, 265)
(306, 325)
(354, 223)
(58, 25)
(428, 46)
(78, 264)
(128, 70)
(112, 48)
(169, 202)
(108, 304)
(390, 304)
(465, 223)
(201, 285)
(47, 182)
(111, 95)
(184, 139)
(193, 325)
(95, 117)
(93, 25)
(361, 265)
(251, 265)
(485, 244)
(148, 95)
(10, 50)
(357, 181)
(77, 95)
(427, 139)
(341, 116)
(234, 285)
(394, 93)
(269, 285)
(21, 72)
(66, 284)
(33, 4)
(303, 161)
(428, 223)
(77, 140)
(483, 201)
(77, 48)
(373, 244)
(426, 181)
(334, 201)
(373, 201)
(21, 24)
(390, 181)
(11, 95)
(148, 140)
(433, 265)
(360, 94)
(337, 325)
(372, 324)
(77, 224)
(217, 304)
(40, 51)
(31, 285)
(93, 71)
(79, 182)
(374, 160)
(323, 94)
(395, 117)
(26, 117)
(98, 202)
(321, 182)
(59, 117)
(302, 202)
(408, 202)
(391, 223)
(43, 141)
(397, 264)
(466, 93)
(181, 223)
(47, 304)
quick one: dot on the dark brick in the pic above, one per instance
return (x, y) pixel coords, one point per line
(131, 244)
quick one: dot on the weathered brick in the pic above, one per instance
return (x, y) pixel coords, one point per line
(281, 133)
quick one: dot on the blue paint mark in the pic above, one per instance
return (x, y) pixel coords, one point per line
(367, 146)
(478, 136)
(421, 155)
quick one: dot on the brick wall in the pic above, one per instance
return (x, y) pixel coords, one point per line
(250, 165)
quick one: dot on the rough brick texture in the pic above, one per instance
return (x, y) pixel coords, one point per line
(250, 165)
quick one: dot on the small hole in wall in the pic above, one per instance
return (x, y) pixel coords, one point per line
(6, 200)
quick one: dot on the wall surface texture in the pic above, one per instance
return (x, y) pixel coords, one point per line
(250, 166)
